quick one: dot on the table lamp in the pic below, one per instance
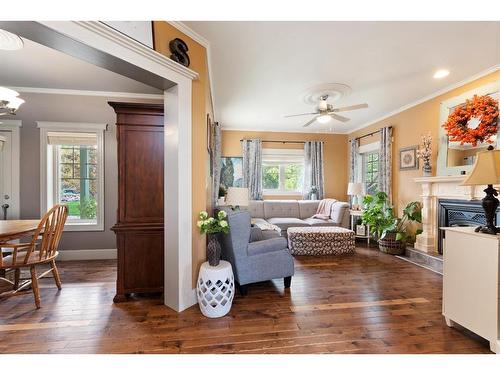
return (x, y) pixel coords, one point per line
(486, 171)
(355, 189)
(237, 197)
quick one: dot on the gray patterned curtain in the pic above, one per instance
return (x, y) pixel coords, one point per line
(353, 166)
(216, 161)
(385, 171)
(252, 167)
(313, 171)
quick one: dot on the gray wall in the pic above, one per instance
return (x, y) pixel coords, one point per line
(44, 107)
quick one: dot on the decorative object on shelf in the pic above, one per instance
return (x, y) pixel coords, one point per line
(408, 159)
(473, 122)
(313, 193)
(215, 289)
(355, 189)
(231, 172)
(179, 50)
(360, 230)
(486, 171)
(237, 197)
(9, 101)
(221, 201)
(213, 226)
(392, 232)
(424, 153)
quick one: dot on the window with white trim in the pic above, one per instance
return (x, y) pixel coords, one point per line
(370, 167)
(282, 171)
(72, 172)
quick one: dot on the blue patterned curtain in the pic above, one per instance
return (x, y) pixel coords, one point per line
(313, 171)
(252, 167)
(216, 161)
(385, 171)
(353, 166)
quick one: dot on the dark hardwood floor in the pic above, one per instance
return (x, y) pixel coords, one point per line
(365, 303)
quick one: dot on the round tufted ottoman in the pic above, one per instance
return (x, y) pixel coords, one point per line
(320, 240)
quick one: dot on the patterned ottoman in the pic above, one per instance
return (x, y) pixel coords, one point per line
(320, 241)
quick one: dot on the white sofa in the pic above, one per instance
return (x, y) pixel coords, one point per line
(297, 213)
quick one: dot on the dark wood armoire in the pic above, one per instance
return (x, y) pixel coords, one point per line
(139, 226)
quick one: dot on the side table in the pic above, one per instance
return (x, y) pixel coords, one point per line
(215, 289)
(355, 214)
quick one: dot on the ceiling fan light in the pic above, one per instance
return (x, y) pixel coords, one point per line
(9, 41)
(15, 103)
(324, 119)
(7, 94)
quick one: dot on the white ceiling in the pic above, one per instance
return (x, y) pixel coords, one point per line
(43, 67)
(261, 69)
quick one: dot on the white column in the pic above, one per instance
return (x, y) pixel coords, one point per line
(426, 241)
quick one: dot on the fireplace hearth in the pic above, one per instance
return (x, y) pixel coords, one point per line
(460, 213)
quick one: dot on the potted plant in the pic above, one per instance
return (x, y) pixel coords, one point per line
(213, 226)
(392, 232)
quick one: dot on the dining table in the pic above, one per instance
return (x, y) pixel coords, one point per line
(14, 229)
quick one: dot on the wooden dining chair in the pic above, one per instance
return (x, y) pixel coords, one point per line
(41, 250)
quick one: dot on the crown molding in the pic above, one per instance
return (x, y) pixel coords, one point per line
(108, 94)
(326, 132)
(111, 34)
(205, 43)
(428, 97)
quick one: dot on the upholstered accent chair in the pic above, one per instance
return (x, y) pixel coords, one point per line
(253, 256)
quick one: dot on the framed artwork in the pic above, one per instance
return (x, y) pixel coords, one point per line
(231, 172)
(408, 158)
(361, 230)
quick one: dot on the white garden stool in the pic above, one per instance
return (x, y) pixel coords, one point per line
(215, 289)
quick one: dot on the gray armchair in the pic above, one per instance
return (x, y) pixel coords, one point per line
(254, 259)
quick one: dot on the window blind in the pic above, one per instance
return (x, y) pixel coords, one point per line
(72, 139)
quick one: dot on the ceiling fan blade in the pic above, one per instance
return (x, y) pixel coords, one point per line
(338, 117)
(350, 107)
(310, 122)
(303, 114)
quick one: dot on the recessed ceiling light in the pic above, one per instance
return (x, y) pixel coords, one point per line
(441, 73)
(9, 41)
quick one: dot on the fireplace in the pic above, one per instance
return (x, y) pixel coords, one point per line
(460, 213)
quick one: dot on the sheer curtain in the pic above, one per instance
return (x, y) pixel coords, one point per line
(313, 171)
(216, 161)
(385, 171)
(252, 167)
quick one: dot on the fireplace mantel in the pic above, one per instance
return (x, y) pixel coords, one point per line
(433, 189)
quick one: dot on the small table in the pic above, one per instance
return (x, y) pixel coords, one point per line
(355, 214)
(215, 289)
(320, 241)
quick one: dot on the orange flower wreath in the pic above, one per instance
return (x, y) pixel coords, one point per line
(485, 109)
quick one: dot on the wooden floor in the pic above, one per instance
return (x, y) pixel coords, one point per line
(366, 303)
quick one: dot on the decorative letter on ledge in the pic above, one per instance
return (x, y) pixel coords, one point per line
(179, 51)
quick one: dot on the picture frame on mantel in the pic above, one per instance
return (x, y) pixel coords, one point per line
(443, 165)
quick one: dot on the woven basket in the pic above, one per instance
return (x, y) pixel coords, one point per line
(391, 246)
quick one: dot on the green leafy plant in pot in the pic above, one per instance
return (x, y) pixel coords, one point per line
(392, 232)
(213, 227)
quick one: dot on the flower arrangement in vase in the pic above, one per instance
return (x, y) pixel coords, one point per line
(213, 226)
(425, 152)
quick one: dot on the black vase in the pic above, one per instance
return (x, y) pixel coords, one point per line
(213, 250)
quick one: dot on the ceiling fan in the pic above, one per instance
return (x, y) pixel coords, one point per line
(326, 112)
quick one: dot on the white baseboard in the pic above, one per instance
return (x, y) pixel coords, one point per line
(86, 254)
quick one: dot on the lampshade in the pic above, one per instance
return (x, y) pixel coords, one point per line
(237, 196)
(355, 188)
(486, 169)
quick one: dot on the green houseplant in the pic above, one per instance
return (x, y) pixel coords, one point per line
(213, 226)
(391, 232)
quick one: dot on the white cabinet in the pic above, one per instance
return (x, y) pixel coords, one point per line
(471, 282)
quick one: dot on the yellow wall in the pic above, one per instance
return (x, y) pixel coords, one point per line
(408, 127)
(335, 154)
(163, 34)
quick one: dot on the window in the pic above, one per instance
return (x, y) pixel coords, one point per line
(282, 171)
(370, 172)
(72, 172)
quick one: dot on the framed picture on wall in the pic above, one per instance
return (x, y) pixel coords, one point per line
(231, 172)
(408, 159)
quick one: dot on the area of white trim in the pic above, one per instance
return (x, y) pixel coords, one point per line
(300, 131)
(96, 254)
(106, 94)
(179, 294)
(15, 127)
(47, 167)
(205, 43)
(429, 97)
(370, 147)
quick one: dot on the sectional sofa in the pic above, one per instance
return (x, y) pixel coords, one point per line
(296, 213)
